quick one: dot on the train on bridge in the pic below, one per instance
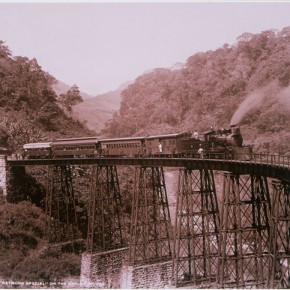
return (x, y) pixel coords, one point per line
(226, 143)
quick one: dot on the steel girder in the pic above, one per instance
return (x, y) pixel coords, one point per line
(105, 219)
(150, 231)
(196, 228)
(60, 207)
(244, 232)
(279, 272)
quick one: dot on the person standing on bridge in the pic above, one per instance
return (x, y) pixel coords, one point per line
(160, 147)
(195, 135)
(200, 151)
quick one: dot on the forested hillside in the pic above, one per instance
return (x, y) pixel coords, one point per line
(30, 110)
(246, 81)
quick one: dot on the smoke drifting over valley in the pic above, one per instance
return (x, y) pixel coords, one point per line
(253, 101)
(284, 97)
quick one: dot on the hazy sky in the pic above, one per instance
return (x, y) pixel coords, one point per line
(98, 46)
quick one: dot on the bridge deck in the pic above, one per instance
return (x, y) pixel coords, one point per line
(270, 166)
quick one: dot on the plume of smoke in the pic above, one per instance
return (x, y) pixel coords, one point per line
(284, 97)
(251, 102)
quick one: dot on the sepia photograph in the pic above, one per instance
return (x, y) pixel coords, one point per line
(144, 144)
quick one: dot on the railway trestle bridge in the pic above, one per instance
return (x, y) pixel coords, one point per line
(235, 238)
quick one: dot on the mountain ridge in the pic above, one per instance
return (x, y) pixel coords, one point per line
(95, 111)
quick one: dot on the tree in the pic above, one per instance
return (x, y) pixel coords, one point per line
(47, 115)
(71, 98)
(16, 133)
(4, 50)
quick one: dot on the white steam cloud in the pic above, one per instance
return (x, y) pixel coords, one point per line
(253, 101)
(284, 97)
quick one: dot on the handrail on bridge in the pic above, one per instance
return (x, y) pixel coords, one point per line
(257, 158)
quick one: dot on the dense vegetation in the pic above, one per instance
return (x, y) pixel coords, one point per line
(30, 110)
(25, 253)
(210, 87)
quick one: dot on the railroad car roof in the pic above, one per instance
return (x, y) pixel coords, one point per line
(122, 139)
(66, 142)
(77, 138)
(37, 145)
(167, 136)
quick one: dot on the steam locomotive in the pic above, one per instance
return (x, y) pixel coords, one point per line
(215, 144)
